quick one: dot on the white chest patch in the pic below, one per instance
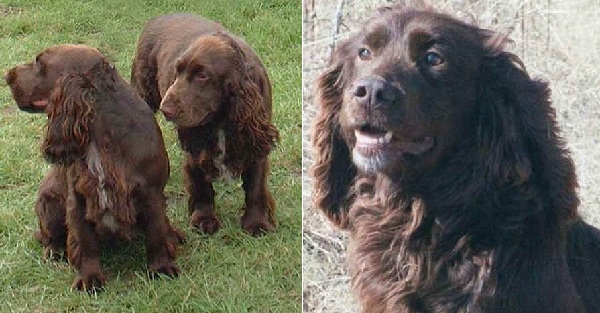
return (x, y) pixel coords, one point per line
(95, 166)
(110, 222)
(219, 162)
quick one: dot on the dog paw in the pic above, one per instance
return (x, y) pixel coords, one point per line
(54, 254)
(165, 268)
(205, 224)
(90, 283)
(52, 251)
(257, 225)
(176, 236)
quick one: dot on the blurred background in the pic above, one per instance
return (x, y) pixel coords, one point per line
(558, 41)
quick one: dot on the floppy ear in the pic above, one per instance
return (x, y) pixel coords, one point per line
(332, 170)
(518, 129)
(249, 120)
(70, 113)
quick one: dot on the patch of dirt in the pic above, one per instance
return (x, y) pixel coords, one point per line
(6, 10)
(9, 110)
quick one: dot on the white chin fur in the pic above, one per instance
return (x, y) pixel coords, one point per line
(370, 164)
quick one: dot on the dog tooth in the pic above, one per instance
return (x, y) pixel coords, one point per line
(388, 137)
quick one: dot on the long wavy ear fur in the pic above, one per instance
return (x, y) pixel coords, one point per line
(252, 133)
(527, 159)
(333, 171)
(70, 114)
(518, 129)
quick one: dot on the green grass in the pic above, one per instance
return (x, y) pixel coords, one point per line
(227, 272)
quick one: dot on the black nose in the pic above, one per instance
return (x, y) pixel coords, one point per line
(373, 91)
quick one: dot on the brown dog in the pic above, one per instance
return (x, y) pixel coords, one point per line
(216, 90)
(31, 85)
(106, 181)
(443, 158)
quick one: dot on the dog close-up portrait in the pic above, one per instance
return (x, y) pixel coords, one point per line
(105, 184)
(442, 157)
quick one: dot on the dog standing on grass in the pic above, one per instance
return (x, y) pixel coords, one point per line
(216, 91)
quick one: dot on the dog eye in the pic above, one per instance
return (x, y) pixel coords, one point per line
(39, 65)
(200, 76)
(364, 54)
(433, 58)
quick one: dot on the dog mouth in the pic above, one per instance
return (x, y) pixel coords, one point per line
(169, 116)
(40, 104)
(373, 140)
(370, 139)
(169, 112)
(32, 106)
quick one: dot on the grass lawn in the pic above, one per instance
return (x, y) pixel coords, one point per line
(552, 38)
(227, 272)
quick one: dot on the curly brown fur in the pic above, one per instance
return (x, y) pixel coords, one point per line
(214, 88)
(113, 181)
(443, 157)
(68, 133)
(332, 169)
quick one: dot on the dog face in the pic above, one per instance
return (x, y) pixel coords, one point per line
(410, 84)
(32, 83)
(199, 90)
